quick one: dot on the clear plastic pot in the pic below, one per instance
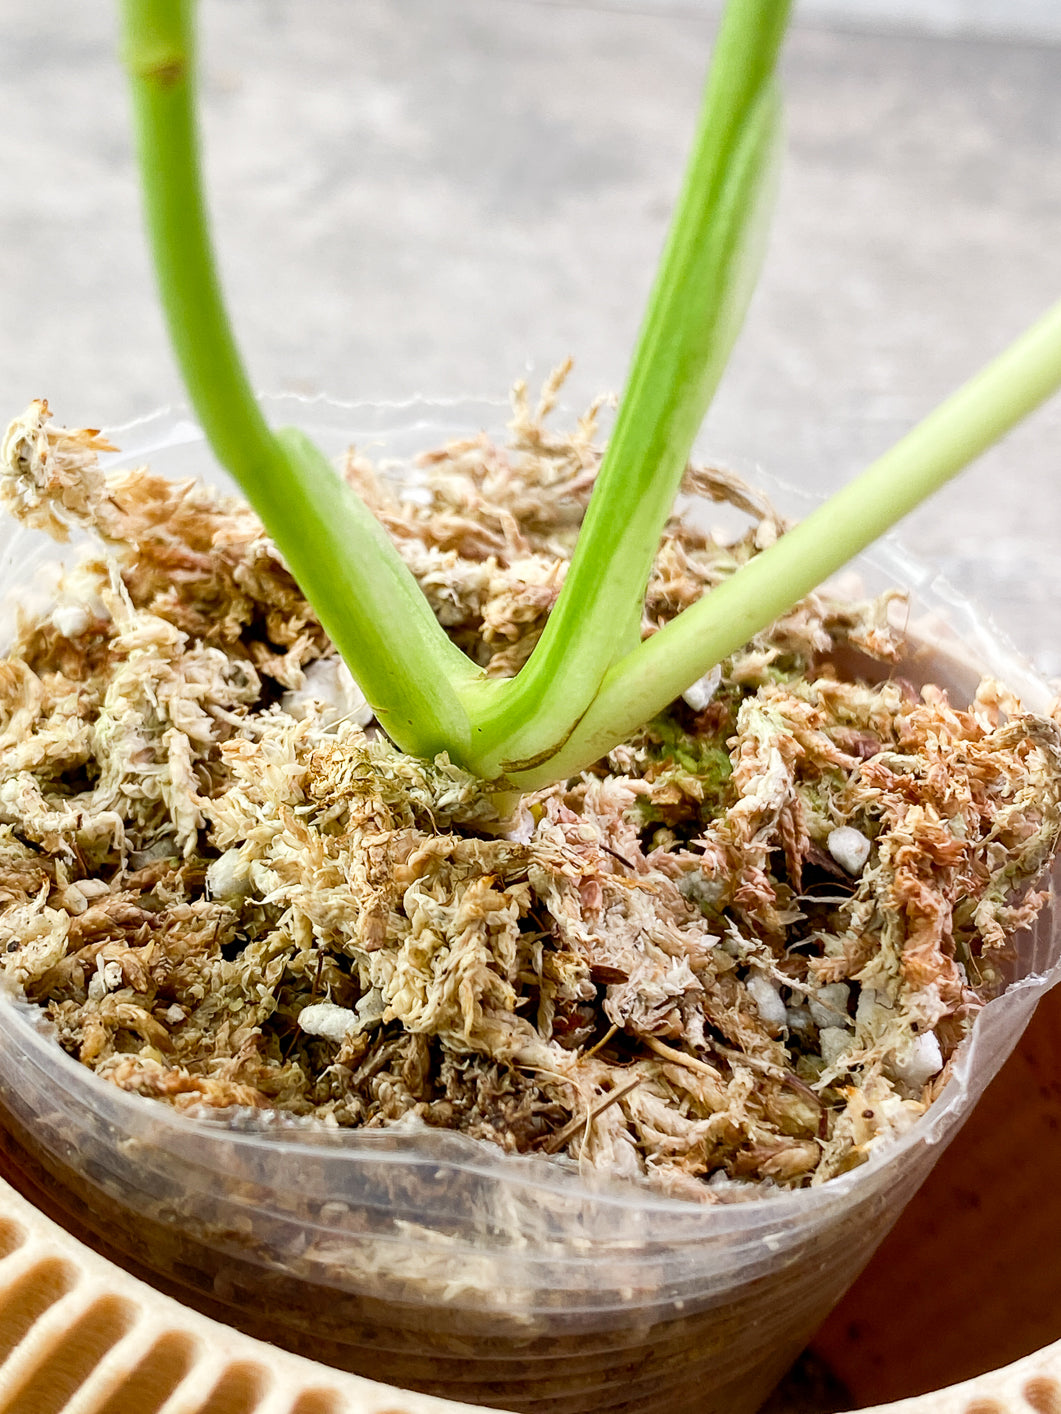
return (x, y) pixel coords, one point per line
(432, 1262)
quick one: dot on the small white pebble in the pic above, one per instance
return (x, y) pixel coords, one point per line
(333, 1023)
(919, 1062)
(112, 975)
(699, 694)
(72, 899)
(850, 848)
(229, 876)
(416, 495)
(329, 688)
(92, 888)
(828, 1005)
(764, 993)
(70, 619)
(835, 1042)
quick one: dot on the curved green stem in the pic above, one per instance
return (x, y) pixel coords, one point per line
(705, 280)
(970, 421)
(366, 599)
(581, 691)
(379, 620)
(159, 57)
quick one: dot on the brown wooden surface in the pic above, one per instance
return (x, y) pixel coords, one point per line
(970, 1278)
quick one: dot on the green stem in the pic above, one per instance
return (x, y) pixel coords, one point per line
(379, 620)
(364, 595)
(158, 54)
(706, 276)
(970, 421)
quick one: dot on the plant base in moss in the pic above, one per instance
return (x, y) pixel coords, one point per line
(740, 950)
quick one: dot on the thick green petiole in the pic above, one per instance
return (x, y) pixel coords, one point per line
(660, 669)
(379, 620)
(426, 695)
(583, 689)
(706, 277)
(367, 600)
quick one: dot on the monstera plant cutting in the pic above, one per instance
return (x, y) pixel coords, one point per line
(503, 819)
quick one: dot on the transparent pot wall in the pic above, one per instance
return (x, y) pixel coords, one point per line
(431, 1262)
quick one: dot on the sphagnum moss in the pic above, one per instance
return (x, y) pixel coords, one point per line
(743, 946)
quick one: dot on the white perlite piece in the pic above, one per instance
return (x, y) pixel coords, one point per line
(70, 619)
(772, 1010)
(329, 683)
(700, 693)
(850, 848)
(229, 876)
(919, 1062)
(835, 1042)
(414, 495)
(333, 1023)
(828, 1005)
(108, 977)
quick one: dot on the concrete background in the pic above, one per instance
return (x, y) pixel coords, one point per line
(439, 195)
(1008, 19)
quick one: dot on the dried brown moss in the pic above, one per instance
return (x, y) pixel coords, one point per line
(746, 945)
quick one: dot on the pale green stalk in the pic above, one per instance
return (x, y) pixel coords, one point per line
(369, 603)
(583, 689)
(707, 273)
(643, 683)
(426, 695)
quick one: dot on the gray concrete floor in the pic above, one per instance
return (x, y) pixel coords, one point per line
(436, 197)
